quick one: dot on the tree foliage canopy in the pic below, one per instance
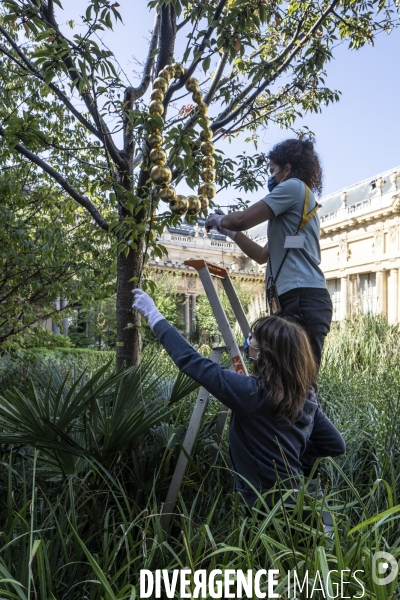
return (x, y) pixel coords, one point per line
(50, 249)
(68, 107)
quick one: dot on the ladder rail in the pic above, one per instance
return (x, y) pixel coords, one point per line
(236, 306)
(206, 271)
(188, 444)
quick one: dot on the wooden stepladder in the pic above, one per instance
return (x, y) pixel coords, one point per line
(206, 272)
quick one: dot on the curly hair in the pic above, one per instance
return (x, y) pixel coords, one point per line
(300, 154)
(285, 365)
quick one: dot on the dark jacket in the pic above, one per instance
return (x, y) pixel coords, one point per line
(261, 446)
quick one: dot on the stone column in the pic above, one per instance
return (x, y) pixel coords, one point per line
(192, 313)
(344, 298)
(55, 328)
(186, 314)
(65, 319)
(381, 291)
(393, 296)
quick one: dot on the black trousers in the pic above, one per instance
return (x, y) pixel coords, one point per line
(311, 308)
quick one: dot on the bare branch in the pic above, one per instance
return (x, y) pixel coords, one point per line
(183, 23)
(216, 79)
(50, 8)
(73, 73)
(79, 198)
(133, 93)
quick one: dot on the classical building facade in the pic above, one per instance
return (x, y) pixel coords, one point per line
(192, 242)
(360, 246)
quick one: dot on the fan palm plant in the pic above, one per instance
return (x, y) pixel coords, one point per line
(93, 419)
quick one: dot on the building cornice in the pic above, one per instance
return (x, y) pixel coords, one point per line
(366, 211)
(184, 271)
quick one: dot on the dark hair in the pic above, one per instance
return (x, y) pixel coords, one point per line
(286, 364)
(304, 160)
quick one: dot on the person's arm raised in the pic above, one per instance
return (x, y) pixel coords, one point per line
(245, 219)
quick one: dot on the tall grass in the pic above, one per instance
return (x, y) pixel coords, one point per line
(88, 534)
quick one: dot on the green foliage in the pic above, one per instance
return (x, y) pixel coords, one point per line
(205, 320)
(94, 326)
(86, 420)
(36, 337)
(363, 341)
(46, 68)
(67, 360)
(49, 249)
(165, 293)
(65, 101)
(90, 533)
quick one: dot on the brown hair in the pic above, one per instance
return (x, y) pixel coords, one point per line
(286, 364)
(300, 154)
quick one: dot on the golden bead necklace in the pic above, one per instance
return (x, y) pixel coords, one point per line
(160, 173)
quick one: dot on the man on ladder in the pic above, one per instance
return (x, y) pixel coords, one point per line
(274, 415)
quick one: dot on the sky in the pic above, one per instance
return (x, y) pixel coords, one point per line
(356, 138)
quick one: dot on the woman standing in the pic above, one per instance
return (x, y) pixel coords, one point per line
(294, 281)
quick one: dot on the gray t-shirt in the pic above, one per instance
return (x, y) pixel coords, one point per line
(300, 268)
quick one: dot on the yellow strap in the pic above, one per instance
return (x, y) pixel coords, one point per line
(307, 216)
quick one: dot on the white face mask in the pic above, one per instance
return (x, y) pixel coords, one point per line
(247, 345)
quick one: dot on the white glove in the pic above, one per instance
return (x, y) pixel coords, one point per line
(214, 220)
(146, 307)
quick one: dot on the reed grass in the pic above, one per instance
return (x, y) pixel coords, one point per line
(87, 532)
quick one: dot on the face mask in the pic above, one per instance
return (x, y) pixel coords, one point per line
(246, 348)
(272, 183)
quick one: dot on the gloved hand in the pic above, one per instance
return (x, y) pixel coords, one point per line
(146, 307)
(218, 216)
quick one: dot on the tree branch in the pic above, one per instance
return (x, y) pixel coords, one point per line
(221, 123)
(255, 81)
(53, 87)
(181, 82)
(216, 79)
(79, 198)
(167, 35)
(183, 23)
(133, 93)
(73, 73)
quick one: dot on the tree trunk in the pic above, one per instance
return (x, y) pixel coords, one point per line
(128, 321)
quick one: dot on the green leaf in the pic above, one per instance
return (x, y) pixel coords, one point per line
(206, 64)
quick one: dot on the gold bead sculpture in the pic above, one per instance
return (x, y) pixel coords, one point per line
(179, 206)
(208, 190)
(194, 205)
(160, 84)
(160, 173)
(156, 108)
(157, 95)
(167, 194)
(158, 156)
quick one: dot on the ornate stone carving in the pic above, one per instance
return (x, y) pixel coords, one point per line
(393, 229)
(191, 283)
(378, 238)
(396, 203)
(394, 178)
(344, 251)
